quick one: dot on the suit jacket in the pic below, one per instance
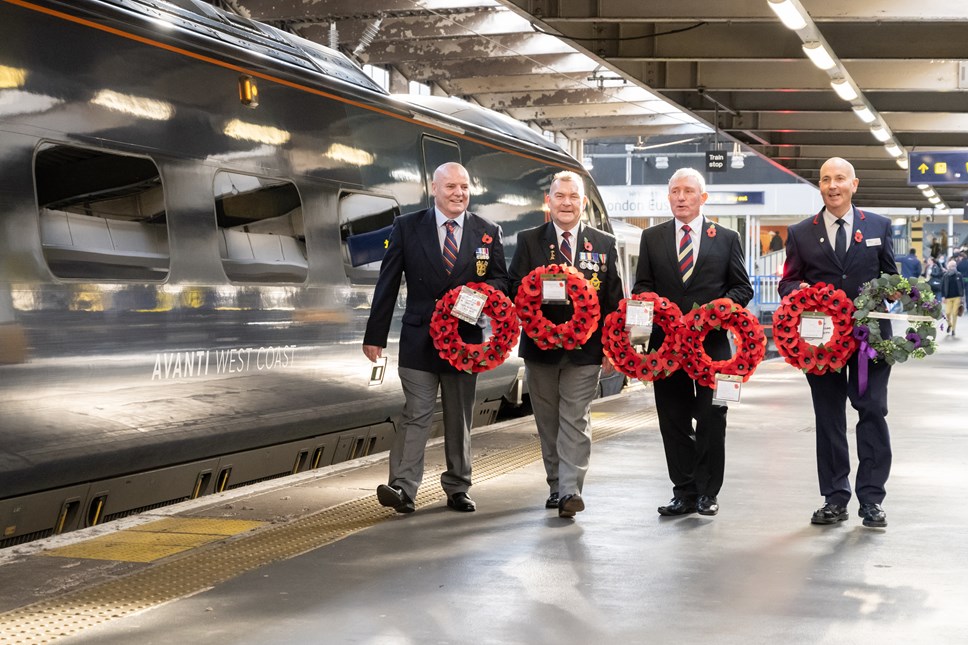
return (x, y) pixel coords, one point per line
(414, 251)
(538, 247)
(810, 257)
(719, 272)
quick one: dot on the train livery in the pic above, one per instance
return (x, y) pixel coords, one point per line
(193, 210)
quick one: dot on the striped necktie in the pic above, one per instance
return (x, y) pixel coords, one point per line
(450, 246)
(566, 246)
(685, 253)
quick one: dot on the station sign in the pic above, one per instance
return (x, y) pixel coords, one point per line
(938, 167)
(716, 161)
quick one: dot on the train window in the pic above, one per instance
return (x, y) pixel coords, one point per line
(436, 152)
(364, 228)
(260, 229)
(102, 214)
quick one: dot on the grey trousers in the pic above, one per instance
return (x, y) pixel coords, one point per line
(407, 452)
(561, 396)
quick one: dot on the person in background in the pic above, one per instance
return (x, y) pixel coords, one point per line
(933, 273)
(438, 249)
(911, 265)
(690, 260)
(776, 242)
(952, 294)
(563, 383)
(962, 259)
(845, 247)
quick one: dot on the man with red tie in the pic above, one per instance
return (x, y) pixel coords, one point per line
(438, 249)
(692, 261)
(562, 383)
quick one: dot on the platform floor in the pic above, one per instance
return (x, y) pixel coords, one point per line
(315, 559)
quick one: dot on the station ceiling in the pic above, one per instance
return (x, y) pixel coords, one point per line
(634, 71)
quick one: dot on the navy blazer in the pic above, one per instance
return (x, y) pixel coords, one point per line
(719, 272)
(539, 247)
(811, 259)
(414, 251)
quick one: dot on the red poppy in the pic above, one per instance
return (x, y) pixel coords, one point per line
(829, 356)
(703, 319)
(711, 231)
(569, 334)
(474, 357)
(652, 365)
(487, 239)
(858, 236)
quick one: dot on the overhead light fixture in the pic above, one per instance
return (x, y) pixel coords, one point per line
(843, 89)
(789, 14)
(588, 162)
(924, 186)
(928, 192)
(880, 133)
(864, 113)
(894, 150)
(662, 163)
(902, 162)
(817, 53)
(934, 200)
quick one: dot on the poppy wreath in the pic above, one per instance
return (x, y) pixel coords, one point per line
(721, 313)
(653, 365)
(569, 334)
(829, 356)
(475, 357)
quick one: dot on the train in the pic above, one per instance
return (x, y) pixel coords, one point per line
(193, 209)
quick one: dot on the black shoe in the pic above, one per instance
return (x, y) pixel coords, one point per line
(461, 502)
(677, 506)
(570, 504)
(394, 498)
(874, 516)
(707, 505)
(552, 501)
(829, 514)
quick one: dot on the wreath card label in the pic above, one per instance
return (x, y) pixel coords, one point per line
(816, 328)
(639, 313)
(469, 305)
(553, 289)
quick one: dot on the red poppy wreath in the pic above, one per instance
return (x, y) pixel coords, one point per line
(652, 365)
(721, 313)
(569, 334)
(829, 356)
(475, 357)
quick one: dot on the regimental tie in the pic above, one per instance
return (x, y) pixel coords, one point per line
(685, 253)
(566, 246)
(450, 246)
(840, 241)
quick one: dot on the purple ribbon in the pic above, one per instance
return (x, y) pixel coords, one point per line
(865, 353)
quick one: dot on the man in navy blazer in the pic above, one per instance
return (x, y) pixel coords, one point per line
(418, 242)
(563, 383)
(696, 457)
(813, 256)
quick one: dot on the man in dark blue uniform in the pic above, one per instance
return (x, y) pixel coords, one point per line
(845, 247)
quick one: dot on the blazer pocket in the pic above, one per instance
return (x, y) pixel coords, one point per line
(412, 318)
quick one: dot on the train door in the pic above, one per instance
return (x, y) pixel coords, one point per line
(435, 152)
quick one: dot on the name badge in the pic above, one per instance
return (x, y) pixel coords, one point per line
(873, 241)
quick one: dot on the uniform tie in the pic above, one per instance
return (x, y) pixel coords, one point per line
(685, 253)
(450, 246)
(840, 241)
(566, 246)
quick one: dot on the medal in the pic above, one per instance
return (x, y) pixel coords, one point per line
(595, 282)
(481, 268)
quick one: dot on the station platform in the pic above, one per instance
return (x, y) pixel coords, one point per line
(313, 558)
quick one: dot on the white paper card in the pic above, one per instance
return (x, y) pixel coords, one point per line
(727, 388)
(638, 313)
(469, 305)
(378, 371)
(816, 328)
(553, 288)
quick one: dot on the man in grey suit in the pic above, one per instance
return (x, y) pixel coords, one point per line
(438, 249)
(562, 383)
(692, 261)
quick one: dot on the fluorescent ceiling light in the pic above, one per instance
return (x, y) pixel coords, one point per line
(864, 114)
(844, 89)
(880, 133)
(788, 14)
(894, 150)
(902, 163)
(924, 186)
(929, 192)
(816, 52)
(934, 200)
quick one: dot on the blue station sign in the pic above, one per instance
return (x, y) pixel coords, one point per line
(938, 167)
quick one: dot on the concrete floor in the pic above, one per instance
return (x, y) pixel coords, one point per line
(513, 572)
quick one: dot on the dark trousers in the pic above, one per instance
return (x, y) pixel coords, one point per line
(830, 394)
(695, 456)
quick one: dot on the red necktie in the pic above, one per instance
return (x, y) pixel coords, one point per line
(450, 246)
(685, 253)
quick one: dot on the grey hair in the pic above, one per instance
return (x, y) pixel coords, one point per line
(688, 172)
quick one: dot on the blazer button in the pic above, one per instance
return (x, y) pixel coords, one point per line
(844, 276)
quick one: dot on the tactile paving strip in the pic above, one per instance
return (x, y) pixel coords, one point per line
(73, 612)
